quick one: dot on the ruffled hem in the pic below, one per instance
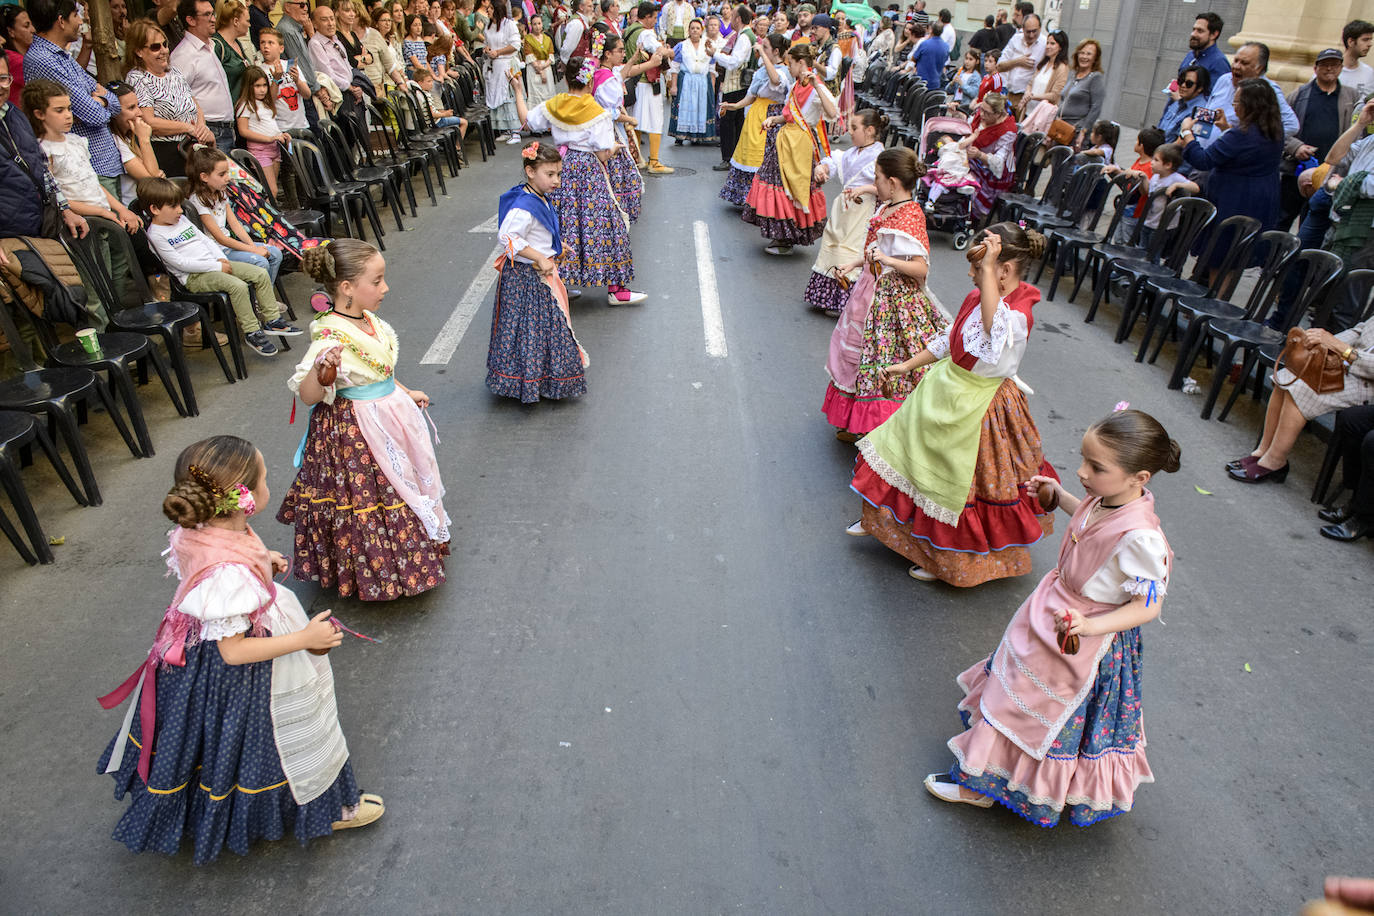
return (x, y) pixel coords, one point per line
(771, 202)
(982, 527)
(1091, 788)
(845, 411)
(824, 292)
(737, 185)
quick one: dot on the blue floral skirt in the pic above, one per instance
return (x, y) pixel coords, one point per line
(216, 778)
(533, 354)
(737, 185)
(1093, 767)
(627, 184)
(593, 225)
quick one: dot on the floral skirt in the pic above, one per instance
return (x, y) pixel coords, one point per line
(533, 354)
(737, 185)
(768, 206)
(1095, 764)
(594, 227)
(627, 184)
(740, 180)
(998, 523)
(825, 293)
(354, 533)
(901, 322)
(216, 778)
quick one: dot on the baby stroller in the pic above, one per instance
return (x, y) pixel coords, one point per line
(951, 212)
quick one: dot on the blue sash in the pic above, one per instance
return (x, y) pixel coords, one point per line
(520, 198)
(357, 393)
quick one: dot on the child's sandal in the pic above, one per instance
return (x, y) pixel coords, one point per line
(368, 809)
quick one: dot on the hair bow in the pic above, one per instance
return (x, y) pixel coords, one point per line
(530, 152)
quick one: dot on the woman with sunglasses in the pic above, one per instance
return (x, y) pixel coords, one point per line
(1194, 86)
(164, 97)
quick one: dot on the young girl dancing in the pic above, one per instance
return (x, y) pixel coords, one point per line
(785, 201)
(596, 231)
(1053, 716)
(888, 316)
(375, 528)
(533, 352)
(942, 480)
(767, 92)
(237, 735)
(843, 239)
(608, 88)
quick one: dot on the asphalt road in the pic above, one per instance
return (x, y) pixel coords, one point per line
(660, 679)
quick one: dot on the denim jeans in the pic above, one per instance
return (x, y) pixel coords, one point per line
(1311, 232)
(224, 134)
(271, 263)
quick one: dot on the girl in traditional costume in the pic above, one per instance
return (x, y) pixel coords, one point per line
(367, 502)
(533, 352)
(539, 61)
(595, 229)
(1053, 716)
(843, 240)
(785, 201)
(608, 88)
(888, 317)
(943, 480)
(694, 88)
(237, 735)
(767, 93)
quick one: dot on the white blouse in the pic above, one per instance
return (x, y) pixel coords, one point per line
(611, 93)
(520, 230)
(1139, 561)
(813, 111)
(999, 350)
(224, 600)
(596, 134)
(855, 165)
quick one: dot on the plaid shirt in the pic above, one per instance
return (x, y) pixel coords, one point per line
(45, 60)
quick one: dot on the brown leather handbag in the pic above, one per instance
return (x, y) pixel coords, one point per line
(1320, 368)
(1061, 132)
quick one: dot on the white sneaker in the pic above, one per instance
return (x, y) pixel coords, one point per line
(922, 575)
(625, 296)
(512, 139)
(857, 530)
(946, 789)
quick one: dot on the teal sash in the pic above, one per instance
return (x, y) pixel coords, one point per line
(357, 393)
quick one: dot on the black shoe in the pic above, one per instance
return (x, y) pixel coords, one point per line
(260, 344)
(279, 328)
(721, 167)
(1351, 530)
(1335, 514)
(1240, 462)
(1254, 472)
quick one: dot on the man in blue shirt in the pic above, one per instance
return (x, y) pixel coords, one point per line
(1251, 62)
(930, 57)
(1202, 48)
(57, 23)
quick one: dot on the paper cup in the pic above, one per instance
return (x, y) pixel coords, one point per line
(89, 342)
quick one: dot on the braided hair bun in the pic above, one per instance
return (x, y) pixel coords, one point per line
(189, 503)
(338, 261)
(319, 263)
(205, 472)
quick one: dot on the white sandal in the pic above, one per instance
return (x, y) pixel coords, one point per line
(946, 789)
(857, 530)
(921, 575)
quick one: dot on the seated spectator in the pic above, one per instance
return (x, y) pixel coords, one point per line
(1146, 142)
(207, 171)
(1243, 164)
(58, 24)
(1194, 86)
(443, 117)
(1081, 101)
(1293, 403)
(1352, 197)
(134, 139)
(200, 264)
(17, 31)
(48, 106)
(165, 99)
(1354, 440)
(1164, 176)
(1324, 108)
(990, 156)
(963, 86)
(1102, 142)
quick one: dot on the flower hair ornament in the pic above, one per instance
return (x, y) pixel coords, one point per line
(1120, 406)
(587, 71)
(238, 497)
(531, 152)
(598, 45)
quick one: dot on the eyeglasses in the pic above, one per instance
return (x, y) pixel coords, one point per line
(6, 80)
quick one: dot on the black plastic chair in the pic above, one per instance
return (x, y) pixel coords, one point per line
(1319, 270)
(1238, 234)
(1066, 241)
(422, 113)
(1184, 219)
(1074, 201)
(325, 191)
(418, 156)
(1196, 312)
(64, 396)
(1057, 161)
(1355, 290)
(18, 434)
(336, 149)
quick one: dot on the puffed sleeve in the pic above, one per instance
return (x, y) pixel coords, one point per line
(901, 244)
(307, 364)
(602, 133)
(939, 346)
(224, 600)
(1142, 557)
(513, 229)
(537, 119)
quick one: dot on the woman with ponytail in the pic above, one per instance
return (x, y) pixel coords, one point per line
(785, 201)
(1053, 716)
(843, 239)
(232, 733)
(767, 93)
(943, 480)
(367, 502)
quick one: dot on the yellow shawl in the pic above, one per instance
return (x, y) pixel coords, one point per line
(571, 111)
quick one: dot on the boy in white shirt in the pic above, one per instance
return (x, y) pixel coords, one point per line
(1164, 175)
(200, 264)
(49, 107)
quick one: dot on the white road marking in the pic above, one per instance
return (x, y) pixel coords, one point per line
(451, 334)
(712, 324)
(489, 226)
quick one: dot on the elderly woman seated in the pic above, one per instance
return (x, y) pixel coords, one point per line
(1293, 403)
